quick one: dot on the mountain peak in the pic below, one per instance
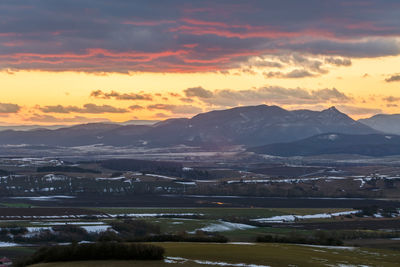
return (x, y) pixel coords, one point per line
(334, 113)
(333, 109)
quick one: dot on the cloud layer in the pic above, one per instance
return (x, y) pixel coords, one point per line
(87, 108)
(189, 36)
(9, 108)
(393, 78)
(271, 94)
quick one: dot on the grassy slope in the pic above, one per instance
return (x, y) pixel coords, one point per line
(16, 252)
(266, 254)
(113, 264)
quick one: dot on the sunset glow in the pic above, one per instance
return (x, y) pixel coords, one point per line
(68, 62)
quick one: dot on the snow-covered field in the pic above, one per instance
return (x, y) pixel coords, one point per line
(292, 218)
(180, 260)
(329, 247)
(290, 181)
(89, 228)
(144, 215)
(131, 215)
(69, 223)
(223, 226)
(161, 176)
(96, 228)
(7, 244)
(44, 198)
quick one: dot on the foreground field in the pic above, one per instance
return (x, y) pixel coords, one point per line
(112, 264)
(256, 255)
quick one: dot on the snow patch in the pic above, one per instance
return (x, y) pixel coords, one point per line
(223, 226)
(144, 215)
(44, 198)
(161, 176)
(96, 228)
(179, 260)
(8, 244)
(292, 218)
(329, 247)
(70, 223)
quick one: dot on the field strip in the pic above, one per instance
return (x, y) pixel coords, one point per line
(177, 260)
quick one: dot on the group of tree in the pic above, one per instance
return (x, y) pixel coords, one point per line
(126, 230)
(94, 251)
(317, 238)
(75, 169)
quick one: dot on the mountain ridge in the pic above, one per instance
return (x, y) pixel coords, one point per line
(247, 125)
(335, 143)
(389, 123)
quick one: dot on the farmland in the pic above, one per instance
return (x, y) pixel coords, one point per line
(202, 213)
(259, 255)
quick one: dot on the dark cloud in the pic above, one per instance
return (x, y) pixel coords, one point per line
(391, 99)
(173, 94)
(120, 96)
(186, 100)
(135, 107)
(338, 61)
(266, 63)
(298, 73)
(198, 92)
(270, 95)
(87, 108)
(308, 63)
(393, 78)
(373, 47)
(9, 108)
(162, 115)
(187, 36)
(51, 119)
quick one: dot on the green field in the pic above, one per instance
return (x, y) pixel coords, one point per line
(258, 254)
(15, 205)
(230, 254)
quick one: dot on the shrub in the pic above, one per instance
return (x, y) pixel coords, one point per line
(135, 228)
(182, 238)
(145, 166)
(369, 210)
(319, 238)
(18, 230)
(108, 236)
(61, 233)
(66, 169)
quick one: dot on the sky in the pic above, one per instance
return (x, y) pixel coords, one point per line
(81, 61)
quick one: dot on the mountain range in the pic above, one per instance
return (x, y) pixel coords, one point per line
(388, 123)
(333, 143)
(248, 126)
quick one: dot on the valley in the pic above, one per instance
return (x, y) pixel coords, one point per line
(313, 194)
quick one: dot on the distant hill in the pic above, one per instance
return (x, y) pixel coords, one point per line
(333, 143)
(384, 122)
(30, 127)
(139, 122)
(248, 126)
